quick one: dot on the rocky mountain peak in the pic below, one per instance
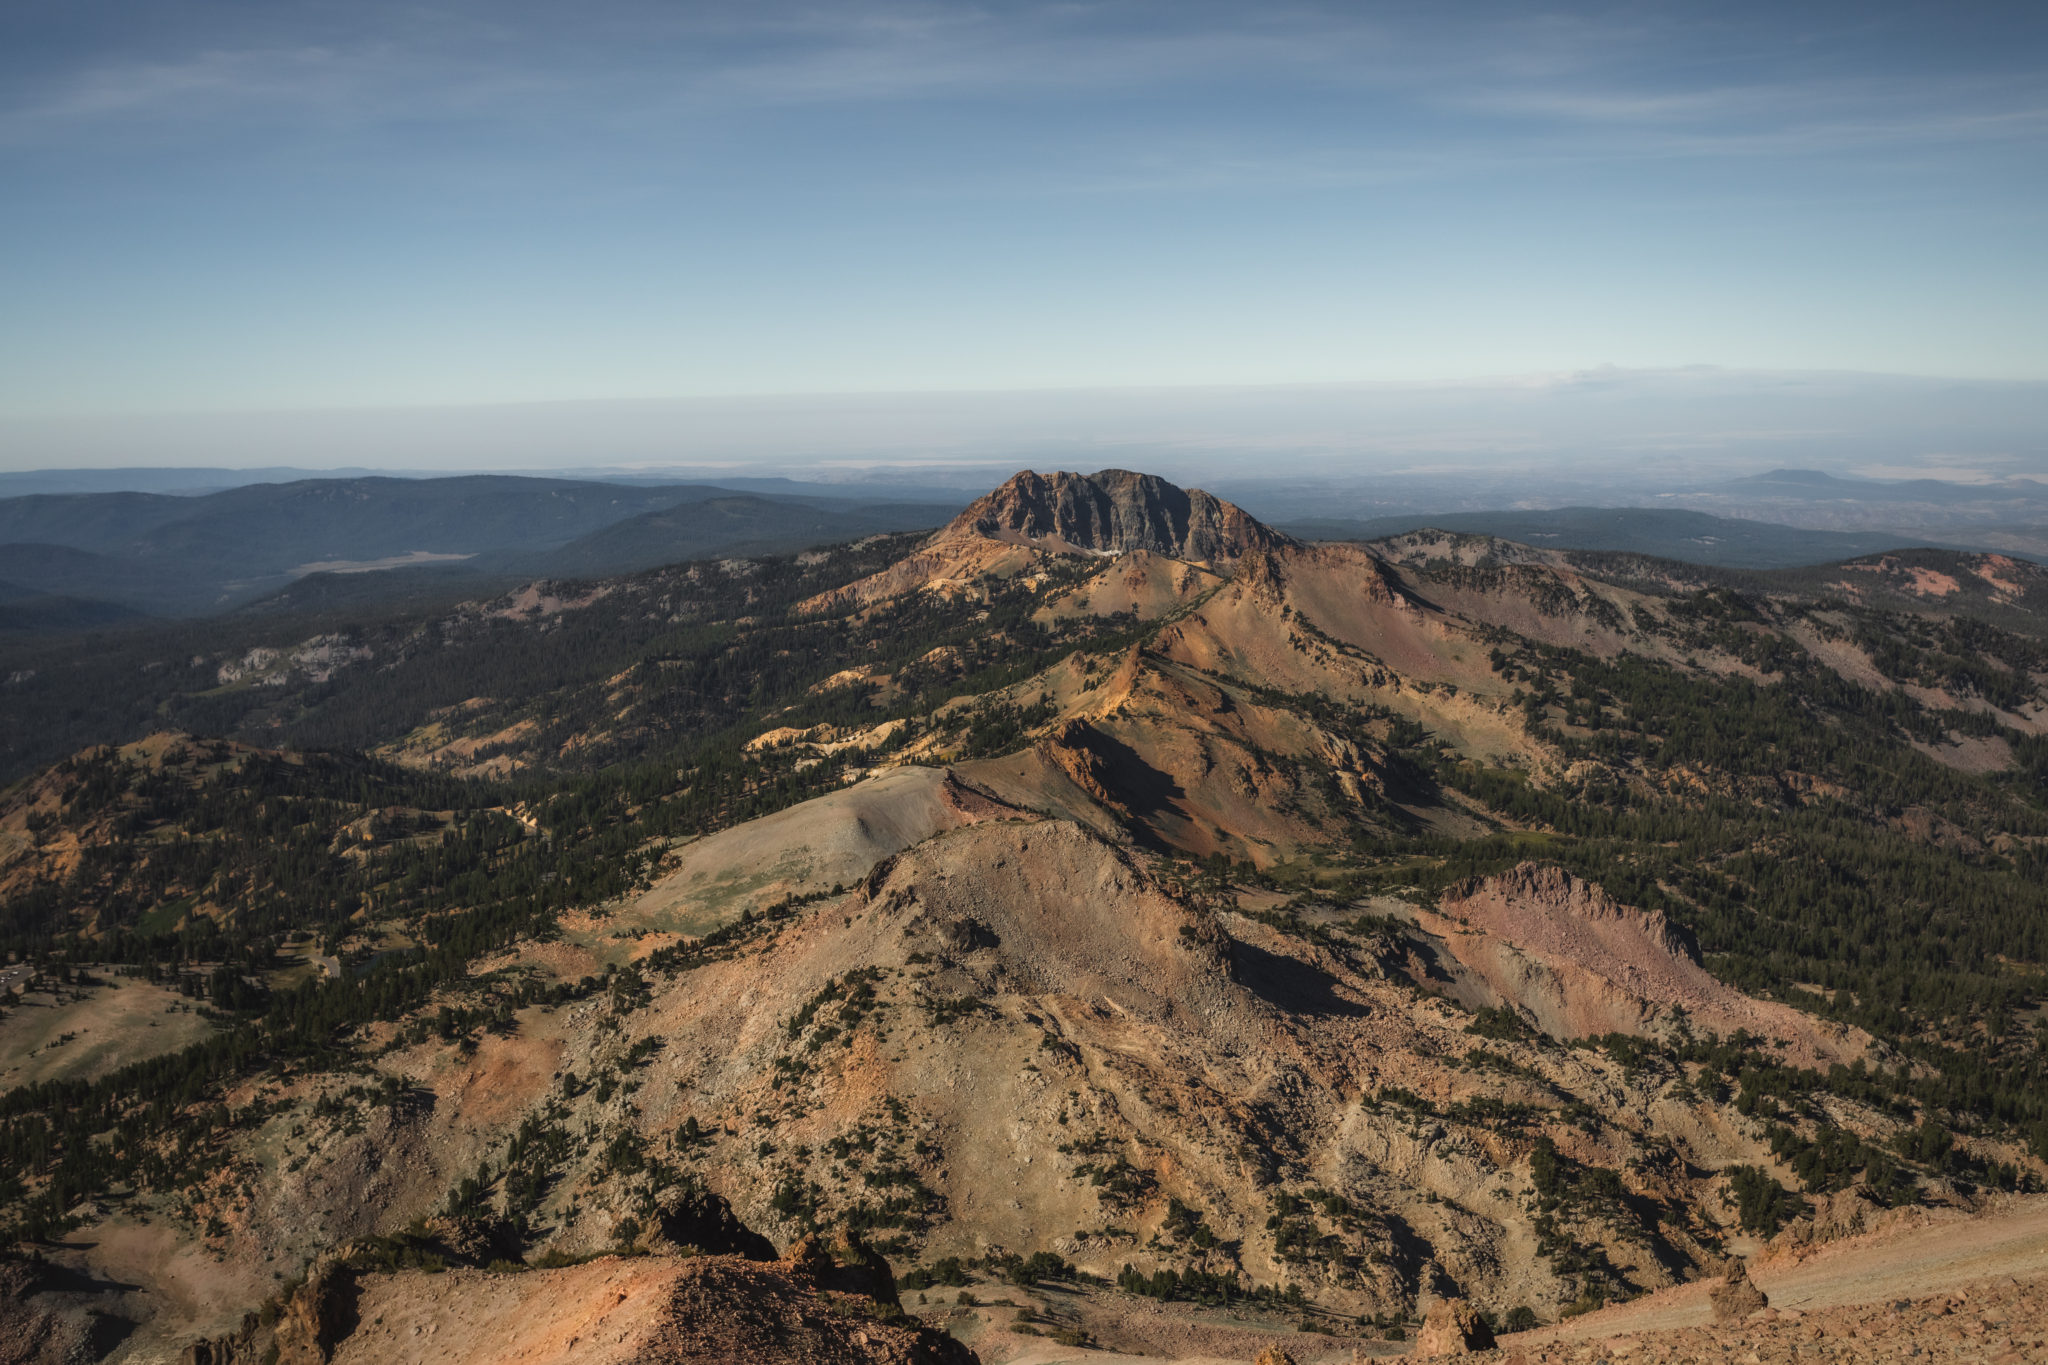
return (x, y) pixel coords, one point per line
(1113, 511)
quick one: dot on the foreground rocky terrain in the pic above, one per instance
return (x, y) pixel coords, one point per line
(1999, 1321)
(1106, 905)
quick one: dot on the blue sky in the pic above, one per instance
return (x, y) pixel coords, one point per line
(357, 204)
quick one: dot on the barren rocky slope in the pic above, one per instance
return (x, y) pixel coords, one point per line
(1025, 1032)
(1016, 1035)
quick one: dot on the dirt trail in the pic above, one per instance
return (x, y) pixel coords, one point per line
(1920, 1255)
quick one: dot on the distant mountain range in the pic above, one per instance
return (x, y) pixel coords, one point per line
(2008, 514)
(169, 555)
(1813, 484)
(187, 479)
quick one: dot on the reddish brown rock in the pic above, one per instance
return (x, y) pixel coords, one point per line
(1737, 1296)
(319, 1316)
(1452, 1328)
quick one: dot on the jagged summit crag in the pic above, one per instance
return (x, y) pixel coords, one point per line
(1106, 904)
(1114, 511)
(1174, 540)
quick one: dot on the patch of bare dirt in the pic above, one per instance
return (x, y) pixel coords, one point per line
(832, 840)
(1970, 753)
(1142, 583)
(487, 755)
(546, 599)
(949, 564)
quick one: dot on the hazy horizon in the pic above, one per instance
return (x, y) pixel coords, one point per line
(1694, 424)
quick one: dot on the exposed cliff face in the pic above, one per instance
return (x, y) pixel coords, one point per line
(1115, 511)
(1015, 529)
(1577, 962)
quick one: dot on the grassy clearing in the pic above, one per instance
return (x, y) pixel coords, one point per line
(109, 1026)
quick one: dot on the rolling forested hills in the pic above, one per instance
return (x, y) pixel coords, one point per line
(173, 555)
(1666, 533)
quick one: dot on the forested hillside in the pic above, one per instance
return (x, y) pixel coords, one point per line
(186, 556)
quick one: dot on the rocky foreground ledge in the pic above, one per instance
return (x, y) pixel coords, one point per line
(2000, 1322)
(1925, 1286)
(821, 1304)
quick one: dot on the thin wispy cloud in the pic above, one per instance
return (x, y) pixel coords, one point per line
(1555, 77)
(846, 58)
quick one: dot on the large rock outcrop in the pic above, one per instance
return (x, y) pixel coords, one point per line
(1453, 1328)
(1010, 533)
(649, 1310)
(1736, 1296)
(826, 1302)
(1115, 511)
(691, 1218)
(320, 1315)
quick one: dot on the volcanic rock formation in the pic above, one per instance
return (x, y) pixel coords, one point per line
(1012, 531)
(1453, 1328)
(1115, 511)
(1737, 1296)
(825, 1302)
